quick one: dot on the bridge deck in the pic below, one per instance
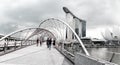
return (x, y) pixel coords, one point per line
(34, 55)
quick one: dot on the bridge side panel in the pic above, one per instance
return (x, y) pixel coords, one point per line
(81, 59)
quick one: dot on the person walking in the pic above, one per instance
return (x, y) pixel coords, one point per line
(37, 41)
(50, 41)
(40, 43)
(47, 42)
(54, 42)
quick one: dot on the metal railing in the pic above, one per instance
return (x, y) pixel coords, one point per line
(11, 42)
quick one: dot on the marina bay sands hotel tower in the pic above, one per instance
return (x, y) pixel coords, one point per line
(76, 23)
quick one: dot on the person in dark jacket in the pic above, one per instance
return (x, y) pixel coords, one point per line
(47, 42)
(50, 42)
(40, 43)
(54, 42)
(37, 41)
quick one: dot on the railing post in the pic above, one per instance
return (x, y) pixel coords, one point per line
(15, 45)
(7, 44)
(62, 46)
(4, 47)
(21, 43)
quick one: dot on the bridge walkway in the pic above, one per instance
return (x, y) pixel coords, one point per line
(34, 55)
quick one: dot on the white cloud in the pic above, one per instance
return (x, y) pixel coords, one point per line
(96, 32)
(25, 13)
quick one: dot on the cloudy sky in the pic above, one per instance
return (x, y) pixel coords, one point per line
(99, 14)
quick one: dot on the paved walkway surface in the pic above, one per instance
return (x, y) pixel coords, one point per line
(34, 55)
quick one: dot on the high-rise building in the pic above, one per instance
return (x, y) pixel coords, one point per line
(76, 23)
(83, 28)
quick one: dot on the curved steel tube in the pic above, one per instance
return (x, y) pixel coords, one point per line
(85, 50)
(23, 30)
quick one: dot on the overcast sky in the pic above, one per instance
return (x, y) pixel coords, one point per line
(99, 14)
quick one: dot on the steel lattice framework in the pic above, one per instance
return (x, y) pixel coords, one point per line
(50, 27)
(35, 31)
(59, 26)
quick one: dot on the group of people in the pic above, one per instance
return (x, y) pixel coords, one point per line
(39, 42)
(49, 42)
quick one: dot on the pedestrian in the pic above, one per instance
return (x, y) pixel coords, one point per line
(40, 43)
(37, 41)
(47, 42)
(54, 42)
(50, 41)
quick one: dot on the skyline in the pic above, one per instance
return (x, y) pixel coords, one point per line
(99, 14)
